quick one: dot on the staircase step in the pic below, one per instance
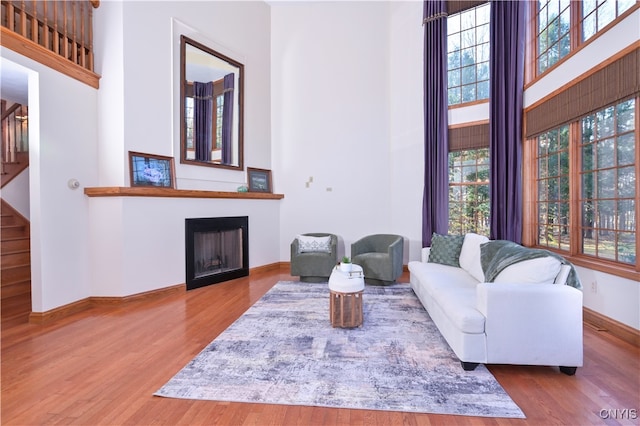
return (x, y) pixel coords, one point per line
(13, 274)
(13, 169)
(16, 307)
(11, 231)
(20, 288)
(14, 258)
(8, 219)
(14, 244)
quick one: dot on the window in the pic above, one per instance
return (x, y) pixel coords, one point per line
(469, 191)
(553, 36)
(468, 55)
(598, 14)
(553, 189)
(561, 26)
(604, 145)
(608, 183)
(218, 107)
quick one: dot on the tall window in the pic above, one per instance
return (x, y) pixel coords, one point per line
(469, 191)
(468, 55)
(553, 35)
(598, 14)
(604, 146)
(553, 189)
(608, 183)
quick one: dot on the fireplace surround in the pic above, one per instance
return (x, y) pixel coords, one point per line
(216, 250)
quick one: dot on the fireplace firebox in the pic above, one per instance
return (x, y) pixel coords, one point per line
(217, 250)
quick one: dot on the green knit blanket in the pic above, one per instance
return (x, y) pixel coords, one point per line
(496, 255)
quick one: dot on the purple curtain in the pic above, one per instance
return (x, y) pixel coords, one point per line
(202, 119)
(435, 203)
(506, 61)
(227, 119)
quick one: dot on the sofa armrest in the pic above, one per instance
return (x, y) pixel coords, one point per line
(534, 324)
(425, 254)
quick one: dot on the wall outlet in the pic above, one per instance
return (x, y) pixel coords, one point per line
(594, 286)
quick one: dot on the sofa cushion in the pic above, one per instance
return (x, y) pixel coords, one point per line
(459, 305)
(307, 244)
(445, 249)
(470, 255)
(453, 290)
(536, 271)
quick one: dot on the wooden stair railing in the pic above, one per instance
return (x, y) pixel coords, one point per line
(15, 141)
(58, 34)
(15, 266)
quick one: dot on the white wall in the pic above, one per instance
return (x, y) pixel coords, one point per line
(141, 241)
(137, 244)
(406, 121)
(138, 57)
(62, 145)
(330, 112)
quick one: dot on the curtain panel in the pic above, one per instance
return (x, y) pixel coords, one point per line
(506, 63)
(435, 205)
(202, 119)
(615, 82)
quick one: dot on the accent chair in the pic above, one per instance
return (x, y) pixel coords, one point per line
(313, 256)
(380, 256)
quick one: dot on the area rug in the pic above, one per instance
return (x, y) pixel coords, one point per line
(283, 350)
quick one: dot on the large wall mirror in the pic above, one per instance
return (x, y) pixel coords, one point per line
(211, 107)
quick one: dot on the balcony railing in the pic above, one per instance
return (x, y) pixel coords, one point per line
(63, 29)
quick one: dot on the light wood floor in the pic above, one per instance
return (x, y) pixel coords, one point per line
(101, 366)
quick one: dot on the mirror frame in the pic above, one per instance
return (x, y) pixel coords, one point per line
(184, 40)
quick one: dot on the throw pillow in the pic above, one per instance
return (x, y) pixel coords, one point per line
(309, 244)
(470, 255)
(445, 249)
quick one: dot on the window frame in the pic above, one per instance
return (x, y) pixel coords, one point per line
(475, 65)
(530, 198)
(575, 34)
(464, 184)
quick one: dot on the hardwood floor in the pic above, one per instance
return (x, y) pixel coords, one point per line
(102, 365)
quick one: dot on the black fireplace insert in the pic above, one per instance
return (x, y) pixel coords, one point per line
(217, 250)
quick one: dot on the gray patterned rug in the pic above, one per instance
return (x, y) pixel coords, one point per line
(283, 350)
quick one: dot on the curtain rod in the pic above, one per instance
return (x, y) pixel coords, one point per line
(434, 17)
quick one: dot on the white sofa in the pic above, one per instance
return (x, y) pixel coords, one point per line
(526, 316)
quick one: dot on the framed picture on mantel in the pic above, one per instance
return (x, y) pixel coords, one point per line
(259, 180)
(151, 170)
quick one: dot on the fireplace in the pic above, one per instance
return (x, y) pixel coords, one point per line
(217, 250)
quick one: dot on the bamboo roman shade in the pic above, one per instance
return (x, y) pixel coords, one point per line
(615, 82)
(469, 137)
(456, 6)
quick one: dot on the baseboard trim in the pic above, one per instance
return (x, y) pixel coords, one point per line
(613, 327)
(81, 305)
(59, 312)
(152, 294)
(265, 268)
